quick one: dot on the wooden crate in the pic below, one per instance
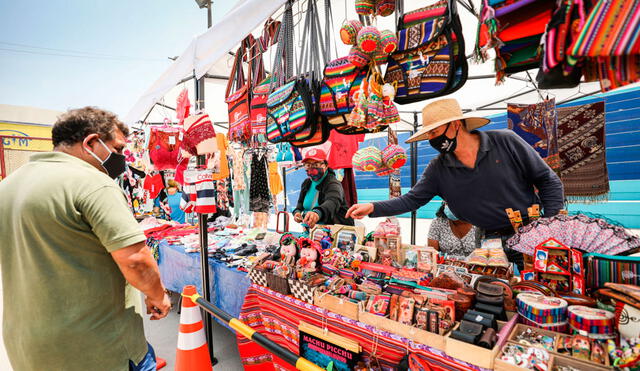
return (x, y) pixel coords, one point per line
(522, 327)
(336, 304)
(420, 336)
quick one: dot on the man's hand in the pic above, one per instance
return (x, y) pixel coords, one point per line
(158, 308)
(359, 211)
(311, 218)
(297, 217)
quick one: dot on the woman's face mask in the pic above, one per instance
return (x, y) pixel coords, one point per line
(449, 214)
(315, 173)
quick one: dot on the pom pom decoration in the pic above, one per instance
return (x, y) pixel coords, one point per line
(394, 156)
(349, 32)
(384, 171)
(385, 7)
(367, 159)
(358, 58)
(365, 7)
(368, 39)
(388, 41)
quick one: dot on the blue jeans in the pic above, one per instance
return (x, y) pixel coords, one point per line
(148, 363)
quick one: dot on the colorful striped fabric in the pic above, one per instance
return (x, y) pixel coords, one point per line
(610, 40)
(278, 316)
(612, 29)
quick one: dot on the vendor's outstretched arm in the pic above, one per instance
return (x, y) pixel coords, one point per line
(549, 185)
(419, 195)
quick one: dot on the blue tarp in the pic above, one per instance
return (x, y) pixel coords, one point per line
(228, 286)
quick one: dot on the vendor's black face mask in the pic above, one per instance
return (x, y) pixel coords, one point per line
(444, 144)
(115, 164)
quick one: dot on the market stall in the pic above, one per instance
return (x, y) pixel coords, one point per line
(370, 298)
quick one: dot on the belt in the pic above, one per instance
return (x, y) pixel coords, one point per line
(506, 231)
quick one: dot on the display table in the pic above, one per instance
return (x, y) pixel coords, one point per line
(228, 286)
(277, 316)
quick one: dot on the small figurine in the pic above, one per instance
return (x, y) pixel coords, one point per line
(309, 261)
(289, 249)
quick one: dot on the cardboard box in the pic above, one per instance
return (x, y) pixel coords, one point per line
(419, 336)
(476, 355)
(336, 304)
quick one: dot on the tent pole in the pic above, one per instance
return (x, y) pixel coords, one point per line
(578, 97)
(284, 186)
(414, 176)
(204, 233)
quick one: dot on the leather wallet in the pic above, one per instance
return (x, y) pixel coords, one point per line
(491, 300)
(488, 339)
(497, 311)
(488, 289)
(469, 332)
(485, 319)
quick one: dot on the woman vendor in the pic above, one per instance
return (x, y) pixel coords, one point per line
(321, 198)
(171, 202)
(452, 236)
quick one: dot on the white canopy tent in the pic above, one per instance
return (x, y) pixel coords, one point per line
(208, 55)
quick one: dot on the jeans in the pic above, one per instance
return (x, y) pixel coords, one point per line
(148, 363)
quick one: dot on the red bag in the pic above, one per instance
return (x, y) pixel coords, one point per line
(238, 101)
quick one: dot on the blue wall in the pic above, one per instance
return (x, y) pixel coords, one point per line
(623, 160)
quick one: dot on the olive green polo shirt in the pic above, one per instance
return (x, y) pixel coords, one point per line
(64, 296)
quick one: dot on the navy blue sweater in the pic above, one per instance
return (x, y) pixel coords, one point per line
(506, 172)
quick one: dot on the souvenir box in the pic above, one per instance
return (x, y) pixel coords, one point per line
(559, 267)
(477, 355)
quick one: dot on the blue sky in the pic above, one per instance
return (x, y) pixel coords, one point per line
(120, 48)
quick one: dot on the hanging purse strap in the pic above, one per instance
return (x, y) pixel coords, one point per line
(236, 78)
(315, 52)
(283, 61)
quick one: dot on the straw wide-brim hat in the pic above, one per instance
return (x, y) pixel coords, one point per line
(442, 112)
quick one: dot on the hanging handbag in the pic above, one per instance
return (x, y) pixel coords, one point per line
(430, 59)
(237, 95)
(289, 106)
(342, 79)
(311, 60)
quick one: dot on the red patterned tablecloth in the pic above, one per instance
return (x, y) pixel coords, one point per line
(277, 316)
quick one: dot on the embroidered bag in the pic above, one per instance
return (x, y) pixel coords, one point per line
(430, 59)
(342, 79)
(237, 95)
(289, 107)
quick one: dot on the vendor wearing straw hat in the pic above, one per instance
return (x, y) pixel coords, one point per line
(478, 173)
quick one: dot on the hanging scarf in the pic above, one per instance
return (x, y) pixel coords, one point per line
(581, 141)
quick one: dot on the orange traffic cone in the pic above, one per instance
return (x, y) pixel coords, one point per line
(192, 353)
(160, 363)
